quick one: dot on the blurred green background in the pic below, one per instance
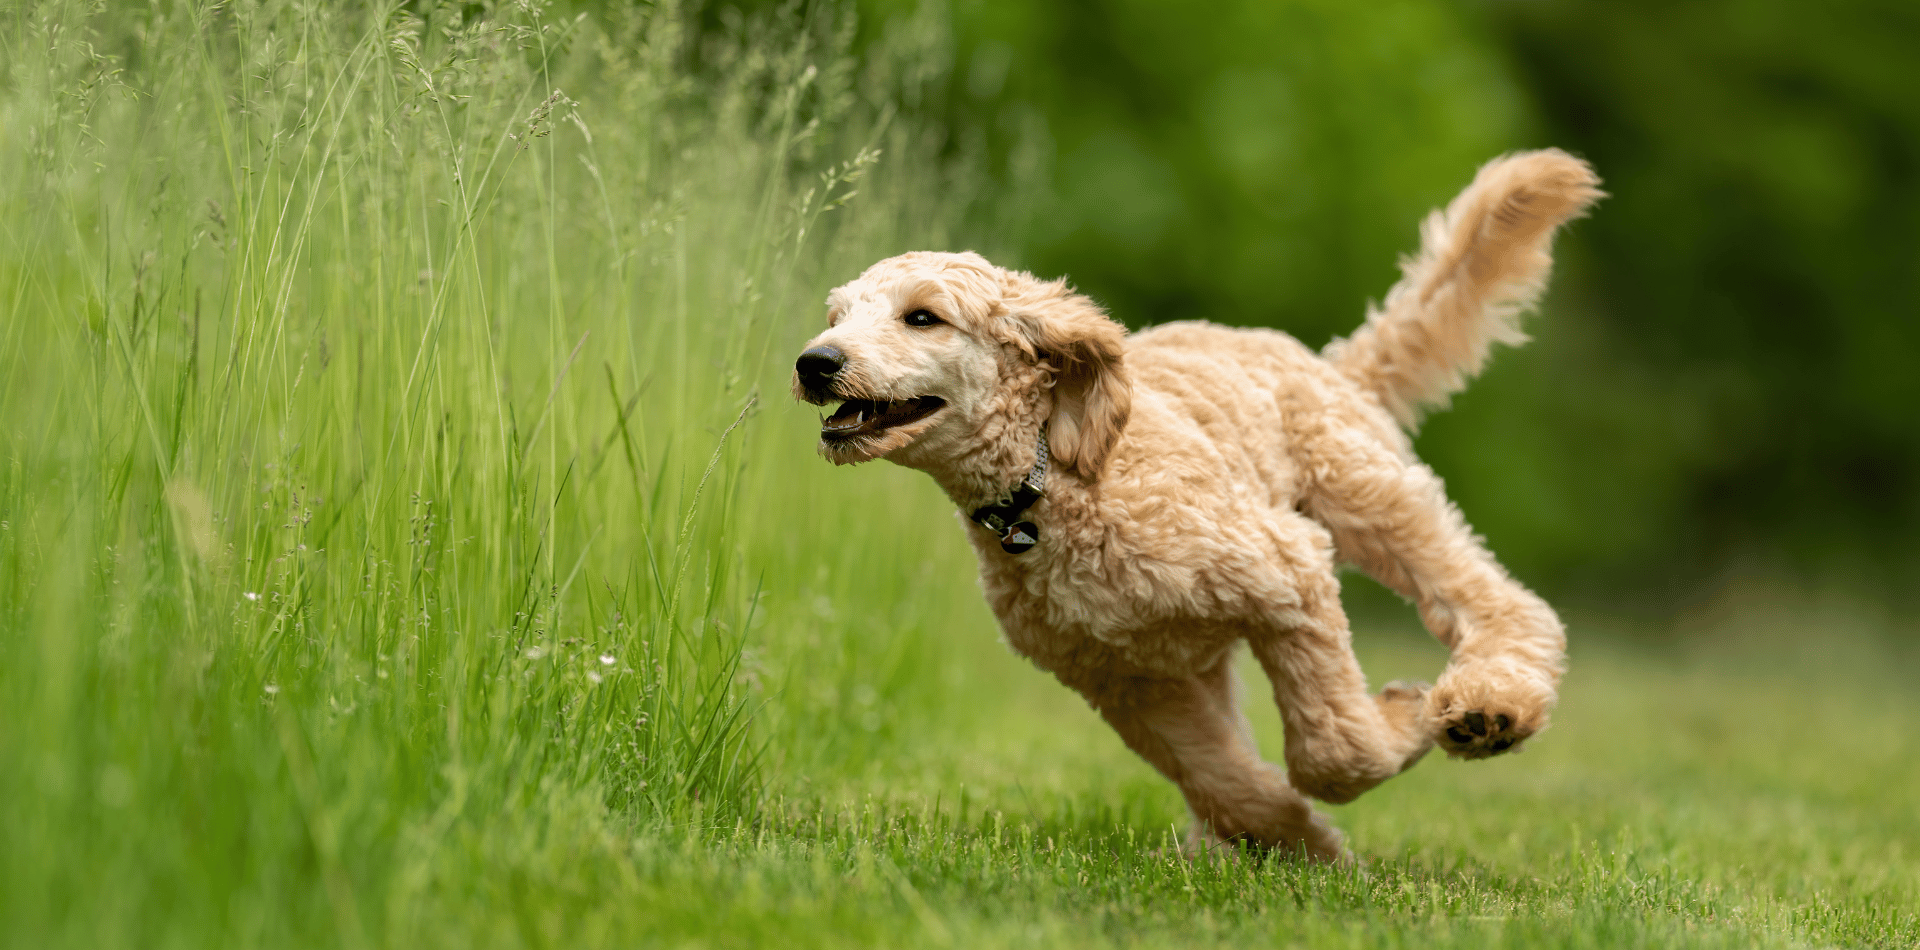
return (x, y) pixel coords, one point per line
(1718, 394)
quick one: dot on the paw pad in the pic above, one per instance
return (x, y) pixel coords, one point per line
(1475, 735)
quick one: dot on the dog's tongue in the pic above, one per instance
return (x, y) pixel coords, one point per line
(855, 413)
(862, 415)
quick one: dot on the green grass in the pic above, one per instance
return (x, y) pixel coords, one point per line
(405, 540)
(1724, 798)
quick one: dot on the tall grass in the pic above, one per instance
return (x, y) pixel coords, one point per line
(378, 393)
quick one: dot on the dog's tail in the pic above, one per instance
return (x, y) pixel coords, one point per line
(1482, 263)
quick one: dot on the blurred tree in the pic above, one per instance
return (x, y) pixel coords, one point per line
(1250, 162)
(1761, 259)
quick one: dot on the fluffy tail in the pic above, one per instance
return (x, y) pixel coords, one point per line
(1482, 263)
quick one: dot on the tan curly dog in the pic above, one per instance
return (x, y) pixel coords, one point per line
(1142, 503)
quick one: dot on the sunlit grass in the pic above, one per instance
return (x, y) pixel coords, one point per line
(381, 394)
(1747, 788)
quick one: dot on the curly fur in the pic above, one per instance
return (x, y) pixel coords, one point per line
(1208, 481)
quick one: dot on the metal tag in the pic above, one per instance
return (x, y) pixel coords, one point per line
(1020, 538)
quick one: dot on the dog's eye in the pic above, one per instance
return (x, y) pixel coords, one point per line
(923, 318)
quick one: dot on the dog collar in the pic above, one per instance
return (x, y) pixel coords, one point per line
(1003, 517)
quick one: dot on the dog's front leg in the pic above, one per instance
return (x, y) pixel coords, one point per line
(1341, 740)
(1193, 732)
(1392, 518)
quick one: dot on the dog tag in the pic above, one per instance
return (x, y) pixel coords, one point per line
(1020, 538)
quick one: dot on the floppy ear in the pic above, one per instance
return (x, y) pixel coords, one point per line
(1092, 395)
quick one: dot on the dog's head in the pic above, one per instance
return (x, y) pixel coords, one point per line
(930, 356)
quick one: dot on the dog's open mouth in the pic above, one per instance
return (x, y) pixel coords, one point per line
(863, 417)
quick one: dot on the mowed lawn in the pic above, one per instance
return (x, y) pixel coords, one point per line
(1754, 786)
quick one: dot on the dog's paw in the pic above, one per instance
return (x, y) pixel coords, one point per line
(1473, 734)
(1402, 701)
(1474, 718)
(1321, 843)
(1202, 846)
(1403, 704)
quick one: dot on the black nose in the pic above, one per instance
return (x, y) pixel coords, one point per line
(819, 365)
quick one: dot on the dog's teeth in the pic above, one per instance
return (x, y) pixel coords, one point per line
(860, 417)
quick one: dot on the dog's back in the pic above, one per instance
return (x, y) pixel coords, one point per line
(1229, 400)
(1226, 398)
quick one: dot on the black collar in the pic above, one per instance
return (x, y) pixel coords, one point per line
(1003, 517)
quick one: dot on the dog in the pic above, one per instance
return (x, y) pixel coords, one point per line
(1141, 504)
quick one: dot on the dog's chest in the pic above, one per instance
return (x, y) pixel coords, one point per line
(1067, 624)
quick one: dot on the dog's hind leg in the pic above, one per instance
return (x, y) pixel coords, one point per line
(1341, 741)
(1193, 732)
(1391, 517)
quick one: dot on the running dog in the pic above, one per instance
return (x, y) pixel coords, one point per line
(1142, 503)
